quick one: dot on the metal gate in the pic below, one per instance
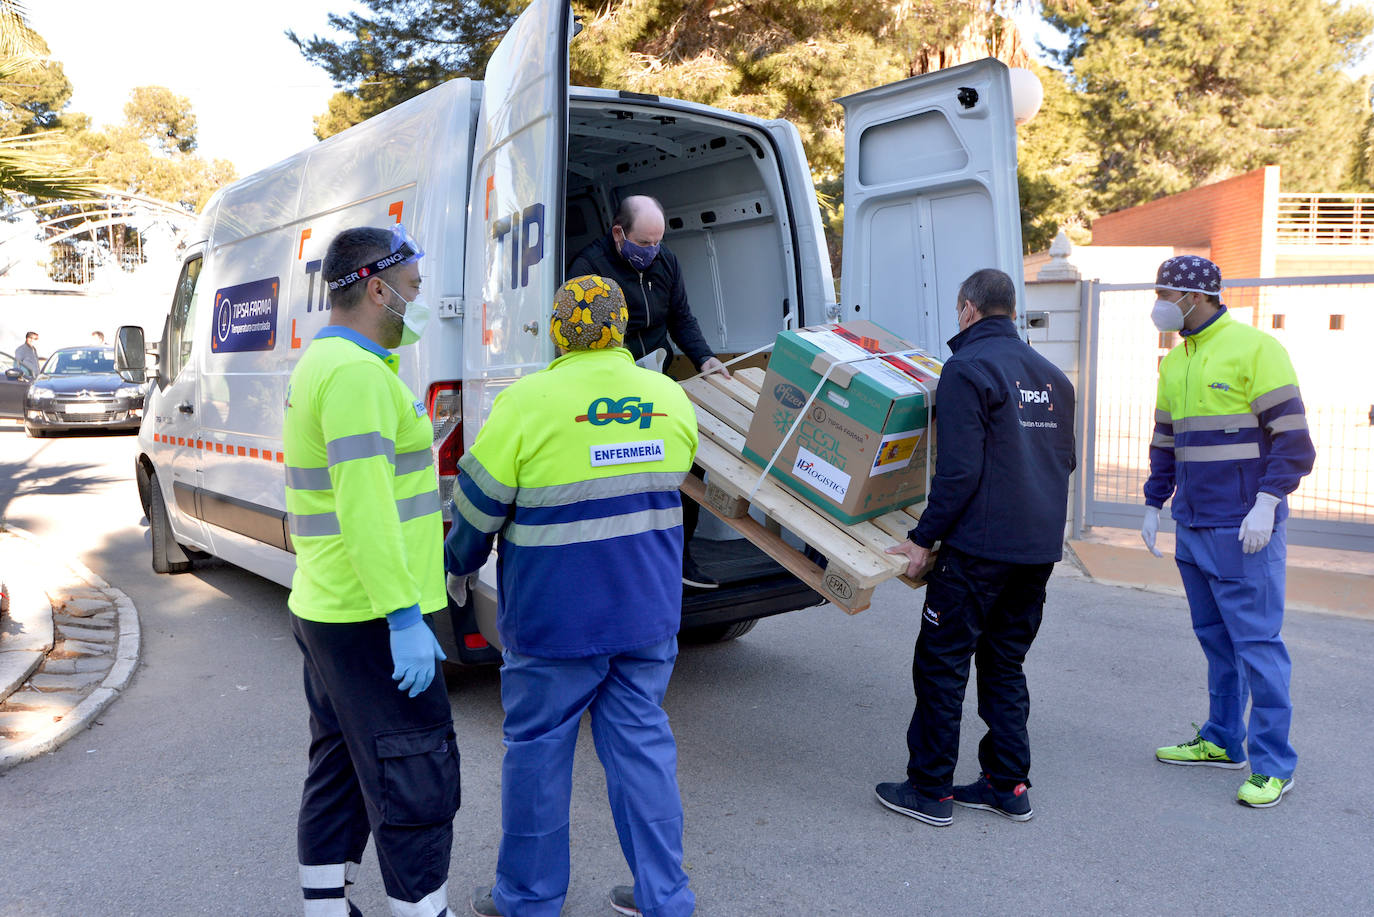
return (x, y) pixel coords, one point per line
(1327, 326)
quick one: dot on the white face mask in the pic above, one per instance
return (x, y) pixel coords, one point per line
(1167, 316)
(415, 317)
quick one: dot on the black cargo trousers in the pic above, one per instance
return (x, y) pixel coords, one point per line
(988, 611)
(381, 762)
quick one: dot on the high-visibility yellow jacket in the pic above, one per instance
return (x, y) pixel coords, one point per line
(362, 499)
(1229, 423)
(578, 469)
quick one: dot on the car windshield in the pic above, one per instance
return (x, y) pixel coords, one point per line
(78, 361)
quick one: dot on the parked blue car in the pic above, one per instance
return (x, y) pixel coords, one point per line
(78, 389)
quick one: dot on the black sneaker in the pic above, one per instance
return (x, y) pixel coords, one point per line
(482, 903)
(693, 577)
(904, 798)
(623, 901)
(1014, 803)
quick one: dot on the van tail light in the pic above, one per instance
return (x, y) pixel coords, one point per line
(445, 404)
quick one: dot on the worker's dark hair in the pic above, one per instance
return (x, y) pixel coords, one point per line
(991, 291)
(30, 334)
(351, 250)
(625, 213)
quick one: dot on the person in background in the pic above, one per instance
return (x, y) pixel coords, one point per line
(26, 355)
(1230, 443)
(363, 508)
(98, 338)
(633, 255)
(577, 470)
(998, 502)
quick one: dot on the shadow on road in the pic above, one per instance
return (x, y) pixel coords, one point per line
(19, 479)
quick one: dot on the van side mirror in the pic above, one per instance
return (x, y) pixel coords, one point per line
(131, 359)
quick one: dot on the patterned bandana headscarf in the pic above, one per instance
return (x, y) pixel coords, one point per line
(589, 313)
(1189, 274)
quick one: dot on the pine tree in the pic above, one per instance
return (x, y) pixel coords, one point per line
(1179, 93)
(397, 49)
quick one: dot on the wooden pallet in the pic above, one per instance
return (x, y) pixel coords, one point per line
(855, 558)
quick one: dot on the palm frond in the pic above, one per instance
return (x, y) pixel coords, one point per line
(16, 37)
(37, 165)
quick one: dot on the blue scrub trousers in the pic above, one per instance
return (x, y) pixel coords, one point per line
(544, 701)
(1236, 600)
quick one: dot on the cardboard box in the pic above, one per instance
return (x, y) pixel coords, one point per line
(863, 446)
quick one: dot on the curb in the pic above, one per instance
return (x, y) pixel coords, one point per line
(1324, 599)
(116, 680)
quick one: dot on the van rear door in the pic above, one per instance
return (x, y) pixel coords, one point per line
(930, 196)
(514, 258)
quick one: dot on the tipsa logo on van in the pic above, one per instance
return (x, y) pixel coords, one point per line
(1035, 395)
(626, 410)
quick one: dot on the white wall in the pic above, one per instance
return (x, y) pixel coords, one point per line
(65, 314)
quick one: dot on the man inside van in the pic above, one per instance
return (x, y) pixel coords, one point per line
(998, 503)
(590, 524)
(633, 255)
(363, 508)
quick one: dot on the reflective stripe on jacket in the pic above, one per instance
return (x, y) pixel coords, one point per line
(362, 499)
(577, 469)
(1229, 423)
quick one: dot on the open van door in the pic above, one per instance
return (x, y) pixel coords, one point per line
(930, 196)
(514, 259)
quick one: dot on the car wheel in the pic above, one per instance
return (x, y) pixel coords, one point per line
(168, 557)
(717, 633)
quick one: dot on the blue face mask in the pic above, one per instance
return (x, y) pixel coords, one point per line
(639, 256)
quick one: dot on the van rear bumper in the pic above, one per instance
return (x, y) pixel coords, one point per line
(752, 586)
(747, 601)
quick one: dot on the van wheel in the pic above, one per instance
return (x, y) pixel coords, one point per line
(168, 557)
(717, 633)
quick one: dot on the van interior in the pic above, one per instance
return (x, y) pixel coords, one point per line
(721, 186)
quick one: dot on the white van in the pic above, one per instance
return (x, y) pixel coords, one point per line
(503, 182)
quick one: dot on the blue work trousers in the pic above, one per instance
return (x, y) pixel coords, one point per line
(1236, 600)
(544, 701)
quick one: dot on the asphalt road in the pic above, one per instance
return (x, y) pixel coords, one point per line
(182, 799)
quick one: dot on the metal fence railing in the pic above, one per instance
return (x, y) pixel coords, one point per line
(1325, 219)
(1327, 326)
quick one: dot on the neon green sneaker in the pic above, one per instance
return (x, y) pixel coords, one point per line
(1261, 792)
(1197, 751)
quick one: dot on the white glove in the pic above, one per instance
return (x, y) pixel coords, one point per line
(1258, 525)
(653, 360)
(1149, 529)
(458, 588)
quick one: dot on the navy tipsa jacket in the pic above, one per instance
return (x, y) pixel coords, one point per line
(657, 299)
(1004, 449)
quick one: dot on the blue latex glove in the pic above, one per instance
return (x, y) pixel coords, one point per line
(414, 649)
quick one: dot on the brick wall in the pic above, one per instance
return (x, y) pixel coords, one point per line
(1231, 218)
